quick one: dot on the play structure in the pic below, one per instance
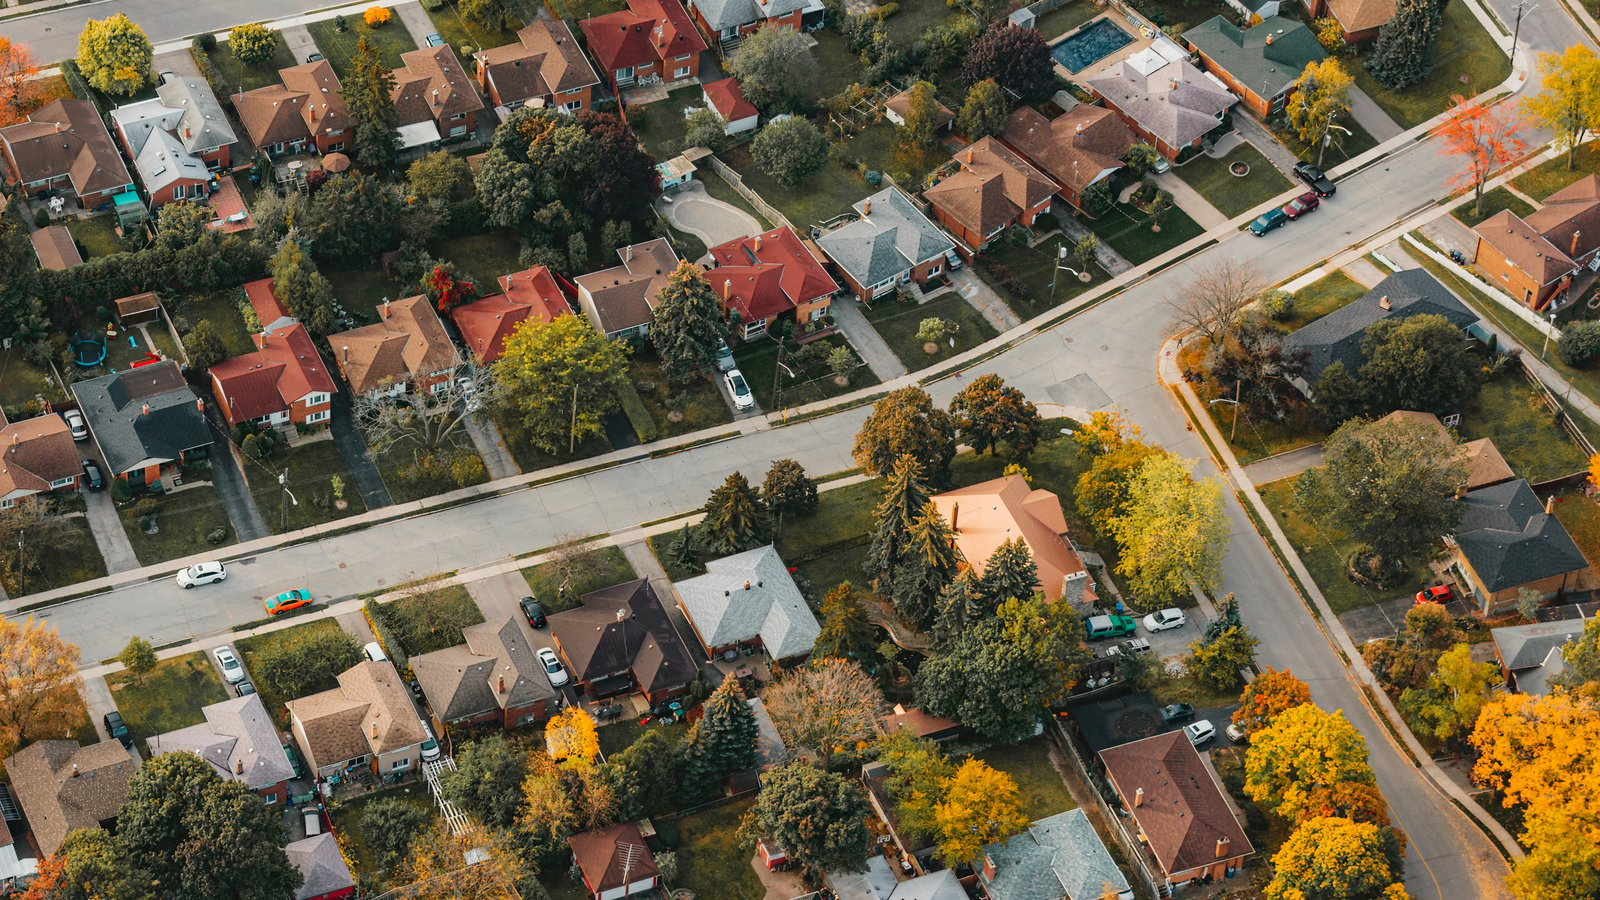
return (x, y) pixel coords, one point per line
(89, 349)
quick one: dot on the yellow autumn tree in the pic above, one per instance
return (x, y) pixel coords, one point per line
(1303, 747)
(437, 866)
(572, 738)
(1337, 858)
(38, 684)
(377, 16)
(1594, 470)
(980, 806)
(1105, 431)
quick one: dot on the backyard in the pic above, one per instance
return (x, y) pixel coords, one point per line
(601, 568)
(183, 522)
(1130, 232)
(311, 468)
(897, 324)
(240, 77)
(712, 861)
(361, 290)
(347, 822)
(800, 384)
(97, 235)
(1231, 194)
(1493, 202)
(1581, 517)
(221, 309)
(431, 620)
(484, 257)
(169, 698)
(1039, 786)
(390, 40)
(1466, 61)
(21, 381)
(1508, 411)
(1325, 551)
(659, 125)
(826, 194)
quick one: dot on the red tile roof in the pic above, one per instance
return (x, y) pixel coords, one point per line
(1176, 802)
(768, 274)
(285, 369)
(269, 309)
(484, 324)
(647, 31)
(728, 99)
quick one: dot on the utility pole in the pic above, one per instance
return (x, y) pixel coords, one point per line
(572, 429)
(1516, 30)
(285, 497)
(1061, 253)
(777, 368)
(22, 566)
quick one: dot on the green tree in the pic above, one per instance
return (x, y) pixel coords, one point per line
(820, 818)
(1103, 491)
(919, 770)
(736, 517)
(704, 128)
(1418, 363)
(1579, 342)
(353, 216)
(1568, 102)
(790, 150)
(489, 15)
(1336, 397)
(722, 742)
(306, 663)
(388, 825)
(487, 780)
(962, 604)
(1140, 158)
(1303, 748)
(988, 413)
(1219, 662)
(984, 112)
(905, 422)
(203, 347)
(1447, 706)
(369, 93)
(302, 288)
(1582, 657)
(925, 567)
(1403, 52)
(139, 658)
(846, 631)
(685, 549)
(114, 55)
(1008, 574)
(688, 324)
(904, 496)
(1321, 95)
(1173, 532)
(183, 224)
(440, 176)
(560, 378)
(788, 490)
(776, 69)
(653, 766)
(89, 865)
(253, 43)
(921, 118)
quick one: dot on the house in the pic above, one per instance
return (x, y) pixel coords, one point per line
(1508, 541)
(879, 882)
(1117, 720)
(1059, 857)
(407, 349)
(63, 786)
(614, 861)
(240, 742)
(306, 111)
(770, 276)
(1531, 655)
(1537, 259)
(1337, 336)
(270, 312)
(984, 516)
(1078, 149)
(992, 190)
(326, 876)
(923, 725)
(15, 870)
(1260, 63)
(283, 382)
(366, 722)
(1254, 10)
(1177, 808)
(37, 456)
(434, 97)
(177, 140)
(748, 602)
(1164, 98)
(621, 301)
(729, 21)
(727, 98)
(1482, 459)
(485, 324)
(544, 68)
(56, 249)
(619, 640)
(492, 676)
(651, 41)
(891, 244)
(146, 421)
(1359, 19)
(896, 107)
(64, 146)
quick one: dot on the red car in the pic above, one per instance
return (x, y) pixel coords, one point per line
(1439, 593)
(1301, 205)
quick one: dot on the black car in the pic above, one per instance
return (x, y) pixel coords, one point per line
(1315, 179)
(534, 611)
(1177, 712)
(244, 689)
(118, 728)
(92, 476)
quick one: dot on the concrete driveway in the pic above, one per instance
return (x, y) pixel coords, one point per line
(693, 210)
(497, 597)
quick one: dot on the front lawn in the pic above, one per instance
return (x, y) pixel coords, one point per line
(390, 40)
(1466, 61)
(1331, 292)
(1493, 202)
(484, 257)
(73, 556)
(1039, 785)
(1552, 175)
(1025, 276)
(311, 468)
(604, 567)
(1509, 411)
(1128, 231)
(249, 647)
(1231, 194)
(431, 621)
(712, 861)
(802, 384)
(221, 309)
(240, 77)
(347, 823)
(824, 195)
(1325, 550)
(98, 235)
(169, 698)
(533, 459)
(897, 324)
(1343, 148)
(458, 33)
(183, 520)
(696, 404)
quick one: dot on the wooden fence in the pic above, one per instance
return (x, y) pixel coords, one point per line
(734, 181)
(1130, 846)
(1556, 408)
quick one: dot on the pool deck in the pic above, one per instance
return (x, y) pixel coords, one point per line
(1122, 21)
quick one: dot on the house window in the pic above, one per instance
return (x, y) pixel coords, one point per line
(682, 58)
(572, 107)
(7, 504)
(574, 91)
(458, 130)
(458, 117)
(680, 72)
(177, 192)
(438, 387)
(625, 74)
(63, 482)
(336, 147)
(316, 399)
(335, 132)
(755, 329)
(400, 764)
(316, 417)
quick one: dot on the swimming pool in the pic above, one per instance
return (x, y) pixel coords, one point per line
(1092, 43)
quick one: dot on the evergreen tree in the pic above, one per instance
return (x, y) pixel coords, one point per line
(303, 289)
(369, 93)
(736, 518)
(1403, 53)
(723, 741)
(688, 323)
(788, 490)
(1009, 574)
(984, 112)
(847, 632)
(925, 568)
(961, 604)
(685, 549)
(903, 499)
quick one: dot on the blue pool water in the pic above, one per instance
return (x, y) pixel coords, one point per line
(1096, 41)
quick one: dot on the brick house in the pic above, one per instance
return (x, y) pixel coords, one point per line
(177, 140)
(1078, 149)
(1360, 19)
(305, 111)
(891, 244)
(367, 721)
(485, 324)
(1261, 63)
(240, 743)
(545, 67)
(407, 349)
(992, 190)
(620, 302)
(1507, 541)
(284, 382)
(37, 456)
(984, 516)
(771, 276)
(651, 39)
(619, 640)
(615, 862)
(493, 676)
(729, 21)
(434, 97)
(748, 602)
(1171, 104)
(146, 421)
(1538, 259)
(65, 146)
(63, 786)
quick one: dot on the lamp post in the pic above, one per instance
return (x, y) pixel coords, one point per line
(1546, 347)
(286, 495)
(1061, 253)
(1327, 138)
(1516, 30)
(1238, 388)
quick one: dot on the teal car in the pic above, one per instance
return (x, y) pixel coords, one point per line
(1102, 627)
(287, 600)
(1272, 218)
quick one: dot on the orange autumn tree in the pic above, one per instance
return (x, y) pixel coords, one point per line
(1485, 137)
(1270, 694)
(17, 91)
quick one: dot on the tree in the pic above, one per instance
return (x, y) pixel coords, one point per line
(1256, 369)
(353, 216)
(787, 490)
(1336, 859)
(829, 706)
(1579, 342)
(1140, 158)
(1221, 661)
(790, 150)
(1390, 485)
(905, 422)
(1419, 363)
(302, 288)
(653, 766)
(376, 16)
(984, 112)
(203, 347)
(306, 663)
(1582, 656)
(88, 865)
(1449, 704)
(736, 517)
(988, 412)
(1265, 698)
(724, 740)
(632, 181)
(1568, 102)
(1214, 297)
(685, 549)
(17, 88)
(925, 567)
(369, 93)
(933, 329)
(904, 497)
(388, 826)
(1330, 34)
(138, 658)
(841, 362)
(919, 772)
(1105, 431)
(1016, 58)
(981, 806)
(1103, 491)
(1336, 397)
(1173, 532)
(688, 324)
(1008, 574)
(572, 738)
(253, 43)
(1563, 860)
(487, 780)
(921, 119)
(114, 55)
(560, 379)
(1321, 95)
(434, 870)
(489, 15)
(39, 693)
(430, 424)
(446, 288)
(776, 70)
(704, 128)
(440, 176)
(1484, 137)
(1303, 747)
(847, 631)
(820, 818)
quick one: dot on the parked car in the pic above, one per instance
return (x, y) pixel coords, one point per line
(92, 476)
(552, 667)
(952, 260)
(374, 652)
(725, 361)
(1101, 627)
(315, 57)
(1272, 218)
(1439, 593)
(1299, 206)
(118, 728)
(232, 670)
(533, 610)
(430, 746)
(294, 761)
(243, 689)
(1177, 712)
(1162, 165)
(76, 425)
(1200, 732)
(1164, 619)
(1315, 179)
(287, 600)
(434, 39)
(1235, 733)
(1129, 648)
(202, 573)
(469, 393)
(738, 389)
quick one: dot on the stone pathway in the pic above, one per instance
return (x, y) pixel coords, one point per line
(416, 20)
(1370, 116)
(109, 535)
(865, 339)
(1518, 193)
(1191, 201)
(982, 298)
(492, 447)
(713, 221)
(1262, 139)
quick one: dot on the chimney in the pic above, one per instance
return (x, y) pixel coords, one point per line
(955, 518)
(200, 404)
(1550, 505)
(1138, 797)
(260, 339)
(1222, 847)
(866, 208)
(1172, 84)
(346, 352)
(899, 709)
(1269, 40)
(374, 729)
(988, 867)
(1383, 302)
(758, 242)
(1573, 252)
(74, 770)
(622, 614)
(747, 585)
(627, 254)
(386, 307)
(144, 410)
(1078, 128)
(500, 683)
(727, 294)
(238, 767)
(187, 132)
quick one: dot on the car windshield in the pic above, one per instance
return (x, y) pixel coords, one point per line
(552, 666)
(739, 385)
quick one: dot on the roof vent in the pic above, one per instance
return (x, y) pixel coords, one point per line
(622, 614)
(1383, 302)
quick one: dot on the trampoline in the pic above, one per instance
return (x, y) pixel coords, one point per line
(89, 350)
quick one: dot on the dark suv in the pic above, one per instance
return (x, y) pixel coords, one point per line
(1315, 179)
(1177, 712)
(534, 611)
(118, 728)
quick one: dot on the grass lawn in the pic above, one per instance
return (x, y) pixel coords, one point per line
(1023, 275)
(361, 290)
(838, 66)
(1233, 195)
(1493, 202)
(1581, 517)
(659, 125)
(711, 860)
(73, 556)
(606, 566)
(98, 235)
(432, 621)
(391, 40)
(485, 257)
(758, 360)
(1332, 291)
(826, 194)
(722, 190)
(1508, 411)
(1344, 147)
(1325, 551)
(21, 381)
(1552, 175)
(1466, 61)
(239, 77)
(347, 822)
(1128, 232)
(458, 33)
(906, 26)
(532, 459)
(183, 520)
(619, 735)
(698, 403)
(1187, 13)
(170, 696)
(878, 147)
(406, 488)
(1039, 786)
(250, 646)
(1063, 19)
(311, 468)
(897, 324)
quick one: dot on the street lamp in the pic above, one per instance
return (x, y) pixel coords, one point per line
(1238, 388)
(1516, 30)
(283, 508)
(1327, 137)
(1061, 253)
(1544, 349)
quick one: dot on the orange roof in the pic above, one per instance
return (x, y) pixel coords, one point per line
(647, 31)
(767, 274)
(285, 368)
(984, 516)
(728, 98)
(408, 342)
(484, 324)
(269, 309)
(993, 188)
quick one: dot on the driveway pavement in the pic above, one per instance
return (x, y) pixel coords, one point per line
(416, 20)
(865, 339)
(353, 450)
(982, 298)
(97, 699)
(486, 439)
(228, 476)
(1370, 116)
(497, 598)
(301, 43)
(109, 535)
(714, 222)
(1284, 465)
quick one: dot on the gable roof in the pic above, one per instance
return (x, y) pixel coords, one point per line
(619, 629)
(546, 59)
(369, 712)
(767, 274)
(270, 311)
(142, 415)
(1336, 337)
(494, 668)
(992, 189)
(624, 296)
(306, 102)
(1058, 856)
(66, 138)
(238, 739)
(319, 860)
(284, 368)
(1509, 539)
(727, 98)
(984, 516)
(1268, 57)
(1482, 459)
(1549, 241)
(750, 595)
(1524, 246)
(613, 857)
(647, 31)
(891, 237)
(64, 786)
(202, 125)
(1356, 16)
(720, 14)
(166, 133)
(430, 85)
(1171, 99)
(485, 324)
(1076, 149)
(35, 452)
(56, 249)
(1183, 814)
(1528, 646)
(900, 104)
(407, 342)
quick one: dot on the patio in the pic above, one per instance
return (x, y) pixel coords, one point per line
(1138, 33)
(228, 204)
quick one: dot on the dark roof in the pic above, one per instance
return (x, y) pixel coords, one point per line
(612, 857)
(64, 786)
(493, 669)
(1527, 646)
(1110, 723)
(1510, 540)
(1183, 814)
(1336, 337)
(148, 413)
(623, 629)
(1266, 58)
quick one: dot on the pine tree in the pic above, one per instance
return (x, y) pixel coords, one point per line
(723, 741)
(736, 518)
(846, 632)
(1403, 53)
(685, 549)
(960, 605)
(369, 93)
(1009, 574)
(903, 499)
(688, 323)
(925, 568)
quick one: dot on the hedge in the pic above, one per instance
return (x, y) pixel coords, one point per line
(644, 425)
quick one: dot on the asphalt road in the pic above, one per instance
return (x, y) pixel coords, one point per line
(53, 34)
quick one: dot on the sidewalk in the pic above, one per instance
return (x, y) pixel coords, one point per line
(864, 338)
(1191, 202)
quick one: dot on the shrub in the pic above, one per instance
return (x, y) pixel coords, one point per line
(252, 44)
(377, 16)
(1278, 305)
(206, 42)
(1579, 342)
(307, 663)
(885, 11)
(41, 217)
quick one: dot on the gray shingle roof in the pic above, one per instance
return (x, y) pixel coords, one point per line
(1510, 540)
(319, 861)
(749, 595)
(1171, 99)
(465, 680)
(720, 14)
(1526, 646)
(892, 236)
(1266, 68)
(1336, 337)
(1058, 856)
(237, 738)
(127, 435)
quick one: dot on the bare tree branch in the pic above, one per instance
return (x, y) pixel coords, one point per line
(428, 422)
(1216, 294)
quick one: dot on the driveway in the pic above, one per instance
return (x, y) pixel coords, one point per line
(228, 476)
(301, 43)
(416, 20)
(353, 450)
(497, 598)
(714, 222)
(865, 340)
(109, 535)
(486, 438)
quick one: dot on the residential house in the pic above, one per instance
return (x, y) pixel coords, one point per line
(283, 382)
(992, 190)
(984, 516)
(64, 146)
(485, 324)
(304, 112)
(271, 314)
(619, 640)
(240, 742)
(146, 421)
(771, 276)
(892, 244)
(1178, 810)
(37, 456)
(1059, 857)
(1507, 541)
(1531, 655)
(544, 68)
(748, 602)
(621, 301)
(177, 140)
(1255, 10)
(56, 249)
(1359, 19)
(63, 786)
(1481, 458)
(434, 97)
(879, 882)
(1538, 259)
(1260, 63)
(367, 722)
(919, 723)
(1081, 148)
(1170, 103)
(729, 21)
(651, 41)
(492, 676)
(326, 876)
(614, 862)
(896, 108)
(727, 98)
(407, 349)
(1337, 336)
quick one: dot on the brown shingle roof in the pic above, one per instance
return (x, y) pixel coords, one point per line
(545, 60)
(1570, 218)
(992, 189)
(1524, 246)
(55, 248)
(625, 296)
(407, 342)
(899, 103)
(613, 857)
(369, 712)
(66, 137)
(1484, 464)
(64, 786)
(431, 85)
(620, 629)
(35, 452)
(308, 101)
(1361, 15)
(1076, 149)
(494, 669)
(1182, 813)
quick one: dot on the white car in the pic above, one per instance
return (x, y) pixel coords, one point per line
(76, 425)
(232, 671)
(738, 389)
(202, 573)
(1129, 647)
(374, 652)
(1235, 733)
(430, 746)
(1199, 732)
(552, 667)
(469, 393)
(1163, 619)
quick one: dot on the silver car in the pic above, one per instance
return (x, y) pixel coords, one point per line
(552, 667)
(232, 670)
(739, 389)
(76, 425)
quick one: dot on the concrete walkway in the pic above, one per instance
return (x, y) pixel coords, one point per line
(98, 701)
(1191, 201)
(416, 20)
(864, 338)
(1261, 139)
(301, 43)
(1364, 271)
(1371, 117)
(1284, 465)
(1110, 260)
(714, 222)
(982, 298)
(109, 535)
(491, 446)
